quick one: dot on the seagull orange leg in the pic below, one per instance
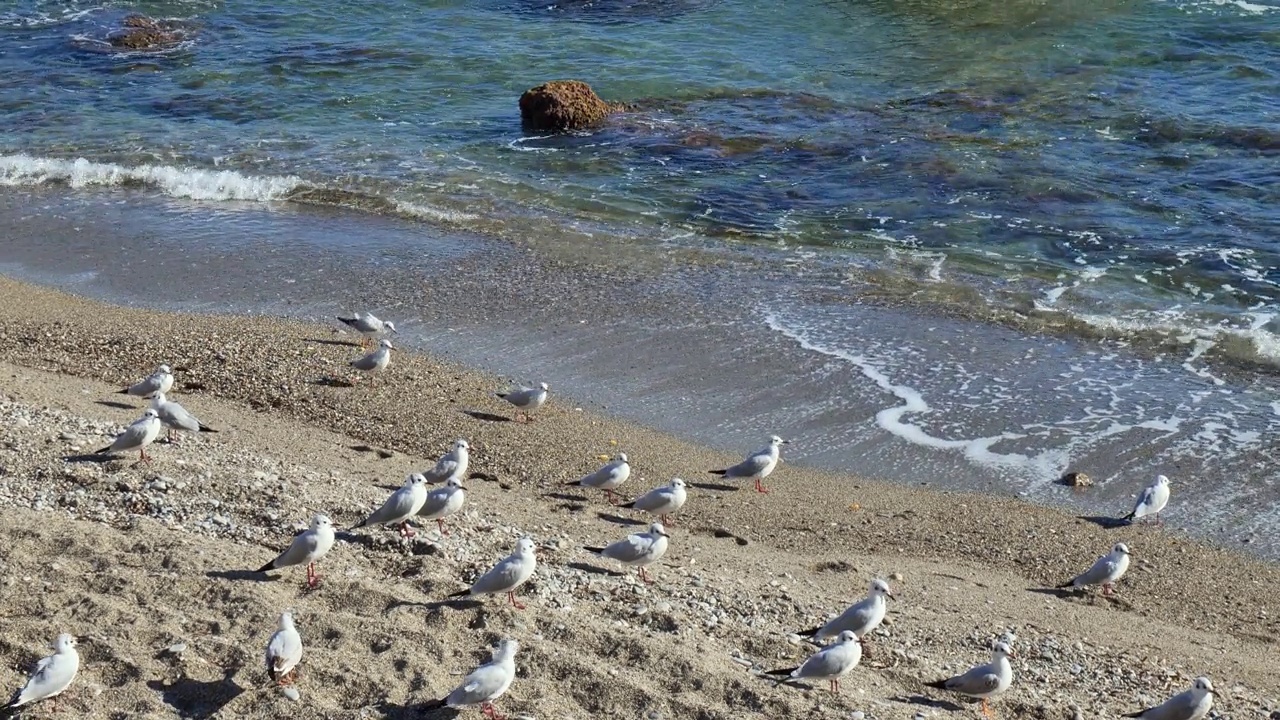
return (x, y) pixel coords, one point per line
(440, 524)
(515, 603)
(760, 487)
(986, 708)
(405, 530)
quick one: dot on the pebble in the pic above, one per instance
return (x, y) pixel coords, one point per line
(291, 693)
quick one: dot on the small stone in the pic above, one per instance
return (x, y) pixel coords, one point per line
(176, 648)
(1077, 479)
(291, 693)
(896, 577)
(857, 715)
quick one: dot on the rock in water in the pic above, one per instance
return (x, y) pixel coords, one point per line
(1077, 479)
(563, 105)
(143, 33)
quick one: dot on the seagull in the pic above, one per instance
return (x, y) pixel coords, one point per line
(1151, 501)
(507, 575)
(402, 505)
(368, 326)
(307, 547)
(859, 618)
(608, 477)
(141, 433)
(443, 502)
(1192, 704)
(52, 675)
(452, 464)
(486, 683)
(284, 651)
(526, 399)
(661, 501)
(640, 549)
(829, 663)
(176, 417)
(376, 361)
(1105, 571)
(159, 381)
(983, 681)
(758, 465)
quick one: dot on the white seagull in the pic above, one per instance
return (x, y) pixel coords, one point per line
(639, 550)
(1151, 501)
(507, 575)
(141, 433)
(443, 502)
(984, 681)
(307, 547)
(376, 361)
(608, 477)
(1105, 571)
(52, 675)
(452, 464)
(176, 417)
(368, 326)
(284, 651)
(662, 501)
(1192, 704)
(403, 504)
(159, 381)
(526, 399)
(486, 683)
(829, 663)
(757, 466)
(859, 618)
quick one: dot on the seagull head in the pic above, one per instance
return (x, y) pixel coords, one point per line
(162, 368)
(321, 521)
(544, 386)
(67, 641)
(391, 326)
(454, 483)
(622, 457)
(1002, 649)
(677, 483)
(506, 649)
(1162, 479)
(1204, 685)
(847, 636)
(286, 620)
(657, 529)
(880, 587)
(386, 344)
(525, 546)
(150, 413)
(1120, 549)
(461, 444)
(416, 479)
(775, 440)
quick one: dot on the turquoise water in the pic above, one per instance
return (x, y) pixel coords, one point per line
(1107, 168)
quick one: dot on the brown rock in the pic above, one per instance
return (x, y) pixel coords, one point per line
(144, 33)
(1077, 479)
(563, 105)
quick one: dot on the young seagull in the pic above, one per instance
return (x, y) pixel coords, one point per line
(452, 464)
(376, 361)
(160, 381)
(662, 501)
(1105, 571)
(443, 502)
(859, 618)
(52, 675)
(307, 547)
(829, 663)
(757, 466)
(141, 433)
(1151, 500)
(507, 575)
(639, 550)
(486, 683)
(526, 400)
(402, 505)
(984, 681)
(284, 651)
(368, 326)
(1193, 704)
(175, 417)
(608, 477)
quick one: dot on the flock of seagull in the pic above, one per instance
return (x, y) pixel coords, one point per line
(847, 633)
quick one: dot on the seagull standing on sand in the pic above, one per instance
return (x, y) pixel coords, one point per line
(859, 618)
(1151, 501)
(829, 663)
(1193, 704)
(639, 550)
(160, 381)
(757, 466)
(402, 505)
(608, 478)
(1105, 571)
(507, 575)
(451, 465)
(368, 326)
(284, 651)
(526, 399)
(443, 502)
(176, 417)
(984, 681)
(486, 683)
(376, 361)
(52, 675)
(307, 547)
(141, 433)
(661, 501)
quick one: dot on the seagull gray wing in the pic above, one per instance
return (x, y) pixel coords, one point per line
(302, 548)
(438, 501)
(522, 397)
(504, 577)
(654, 500)
(443, 470)
(147, 386)
(52, 675)
(1182, 706)
(479, 686)
(1101, 569)
(977, 681)
(856, 618)
(750, 467)
(827, 663)
(368, 362)
(629, 549)
(283, 653)
(132, 438)
(397, 507)
(177, 417)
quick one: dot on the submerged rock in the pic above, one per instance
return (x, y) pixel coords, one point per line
(563, 105)
(1077, 479)
(143, 33)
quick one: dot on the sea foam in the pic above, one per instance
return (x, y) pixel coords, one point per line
(179, 182)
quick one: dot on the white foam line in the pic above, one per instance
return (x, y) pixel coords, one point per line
(193, 183)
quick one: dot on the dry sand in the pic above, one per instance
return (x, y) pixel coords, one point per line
(146, 562)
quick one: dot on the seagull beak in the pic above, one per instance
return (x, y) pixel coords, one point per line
(891, 595)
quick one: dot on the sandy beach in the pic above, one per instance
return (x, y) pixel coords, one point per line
(147, 563)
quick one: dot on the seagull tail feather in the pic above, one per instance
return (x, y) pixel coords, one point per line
(206, 428)
(940, 684)
(780, 671)
(629, 505)
(596, 550)
(103, 450)
(269, 566)
(1129, 517)
(460, 593)
(721, 473)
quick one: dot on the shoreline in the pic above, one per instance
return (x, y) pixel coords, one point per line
(967, 559)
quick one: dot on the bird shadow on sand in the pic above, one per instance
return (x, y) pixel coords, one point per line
(567, 497)
(92, 458)
(927, 701)
(247, 575)
(458, 603)
(1106, 523)
(197, 698)
(1060, 593)
(116, 405)
(619, 520)
(332, 382)
(594, 570)
(340, 343)
(486, 416)
(382, 454)
(717, 487)
(411, 711)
